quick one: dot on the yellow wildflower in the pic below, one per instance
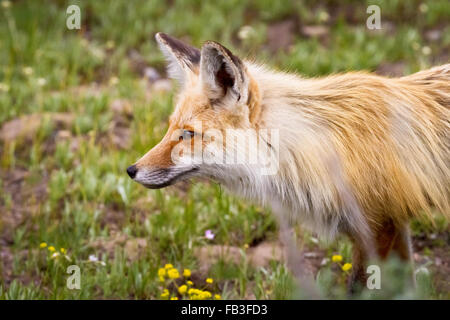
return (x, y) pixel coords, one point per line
(42, 245)
(173, 273)
(174, 298)
(63, 251)
(217, 297)
(165, 294)
(187, 273)
(209, 280)
(193, 291)
(201, 295)
(51, 249)
(205, 295)
(336, 258)
(182, 289)
(161, 279)
(161, 272)
(346, 266)
(189, 282)
(168, 266)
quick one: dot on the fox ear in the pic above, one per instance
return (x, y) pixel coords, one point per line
(182, 58)
(222, 73)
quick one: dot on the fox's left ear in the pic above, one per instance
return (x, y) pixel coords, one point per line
(223, 75)
(182, 57)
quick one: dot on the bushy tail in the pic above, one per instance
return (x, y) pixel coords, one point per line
(435, 83)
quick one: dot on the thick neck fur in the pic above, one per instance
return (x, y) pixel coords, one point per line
(306, 159)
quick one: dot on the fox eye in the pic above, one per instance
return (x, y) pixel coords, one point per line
(187, 134)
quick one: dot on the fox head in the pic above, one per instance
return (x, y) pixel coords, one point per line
(217, 94)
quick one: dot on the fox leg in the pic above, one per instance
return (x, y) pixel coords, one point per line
(363, 251)
(390, 238)
(358, 277)
(402, 244)
(403, 248)
(394, 238)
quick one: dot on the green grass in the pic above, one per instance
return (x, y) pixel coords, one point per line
(90, 207)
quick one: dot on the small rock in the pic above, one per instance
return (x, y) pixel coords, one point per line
(315, 31)
(121, 106)
(246, 32)
(280, 35)
(433, 35)
(137, 62)
(162, 85)
(387, 27)
(121, 137)
(63, 135)
(438, 261)
(151, 74)
(311, 255)
(417, 257)
(314, 240)
(324, 261)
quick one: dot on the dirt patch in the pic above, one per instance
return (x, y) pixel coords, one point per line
(26, 127)
(441, 270)
(112, 217)
(118, 134)
(281, 35)
(24, 201)
(258, 256)
(263, 253)
(391, 69)
(435, 257)
(208, 255)
(6, 268)
(20, 201)
(134, 248)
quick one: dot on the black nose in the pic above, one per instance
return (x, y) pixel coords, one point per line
(131, 170)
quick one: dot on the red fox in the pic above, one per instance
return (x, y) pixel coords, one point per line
(357, 153)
